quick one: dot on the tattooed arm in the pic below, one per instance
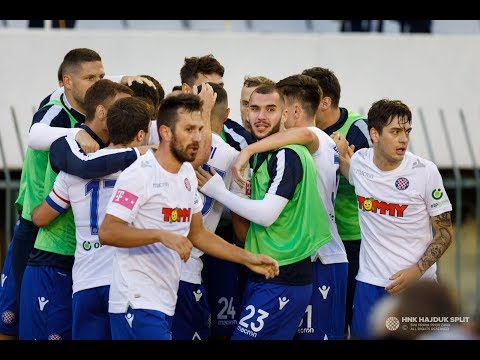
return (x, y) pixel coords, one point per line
(441, 241)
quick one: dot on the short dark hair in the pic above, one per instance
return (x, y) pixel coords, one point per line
(102, 92)
(76, 57)
(251, 81)
(304, 89)
(177, 87)
(383, 111)
(221, 102)
(60, 72)
(268, 89)
(199, 65)
(158, 86)
(126, 117)
(146, 92)
(327, 81)
(168, 113)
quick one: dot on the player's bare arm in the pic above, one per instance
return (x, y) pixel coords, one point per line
(44, 214)
(116, 232)
(441, 241)
(215, 246)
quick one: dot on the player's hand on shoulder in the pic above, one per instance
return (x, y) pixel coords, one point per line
(239, 166)
(86, 142)
(203, 176)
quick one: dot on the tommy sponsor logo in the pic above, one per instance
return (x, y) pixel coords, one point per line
(159, 185)
(125, 198)
(176, 214)
(376, 206)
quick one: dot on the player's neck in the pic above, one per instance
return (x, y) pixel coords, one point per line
(328, 118)
(305, 122)
(74, 104)
(216, 128)
(166, 159)
(383, 163)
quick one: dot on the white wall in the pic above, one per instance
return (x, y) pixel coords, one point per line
(426, 71)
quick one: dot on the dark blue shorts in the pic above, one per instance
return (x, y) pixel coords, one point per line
(272, 311)
(91, 320)
(8, 296)
(141, 324)
(366, 296)
(191, 320)
(324, 317)
(46, 304)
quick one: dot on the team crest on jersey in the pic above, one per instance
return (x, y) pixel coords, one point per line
(187, 184)
(176, 214)
(402, 183)
(380, 207)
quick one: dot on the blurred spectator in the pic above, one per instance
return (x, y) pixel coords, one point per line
(415, 26)
(411, 309)
(55, 24)
(361, 25)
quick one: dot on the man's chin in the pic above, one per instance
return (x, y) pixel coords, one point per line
(260, 136)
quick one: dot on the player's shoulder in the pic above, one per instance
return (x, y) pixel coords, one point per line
(50, 113)
(419, 163)
(363, 154)
(141, 167)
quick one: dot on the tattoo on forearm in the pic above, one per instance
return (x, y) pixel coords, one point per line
(441, 241)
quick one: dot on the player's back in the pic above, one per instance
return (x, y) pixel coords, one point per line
(89, 199)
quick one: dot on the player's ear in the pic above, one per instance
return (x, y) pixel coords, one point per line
(374, 135)
(186, 89)
(165, 133)
(101, 112)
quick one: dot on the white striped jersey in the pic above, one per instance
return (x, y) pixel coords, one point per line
(88, 199)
